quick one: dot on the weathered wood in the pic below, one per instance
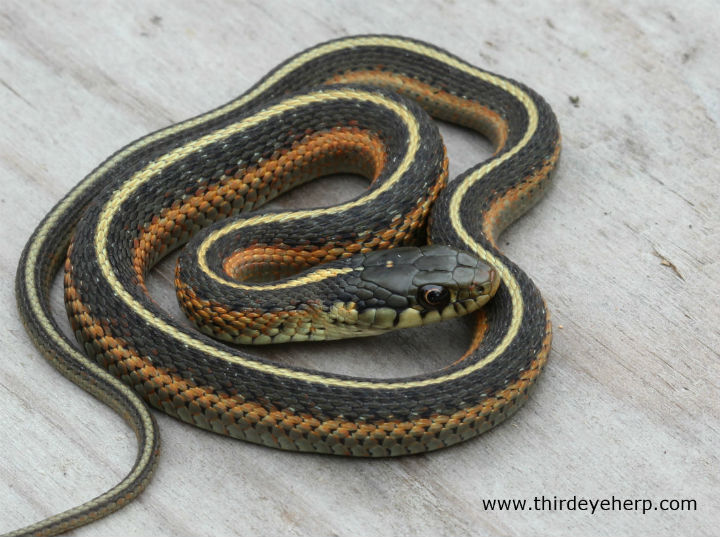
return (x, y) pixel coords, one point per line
(625, 248)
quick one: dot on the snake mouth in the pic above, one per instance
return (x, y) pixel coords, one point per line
(374, 321)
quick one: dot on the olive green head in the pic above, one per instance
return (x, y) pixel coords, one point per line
(411, 286)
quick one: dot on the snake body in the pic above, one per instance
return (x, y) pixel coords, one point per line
(154, 194)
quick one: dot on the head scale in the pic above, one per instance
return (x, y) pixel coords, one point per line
(412, 286)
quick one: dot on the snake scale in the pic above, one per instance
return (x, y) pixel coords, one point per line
(353, 104)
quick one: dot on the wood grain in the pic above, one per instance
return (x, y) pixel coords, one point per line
(624, 247)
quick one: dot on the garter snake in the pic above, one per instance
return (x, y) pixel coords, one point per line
(152, 195)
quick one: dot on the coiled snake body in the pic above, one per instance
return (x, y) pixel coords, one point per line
(295, 124)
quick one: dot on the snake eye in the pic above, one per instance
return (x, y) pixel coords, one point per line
(433, 296)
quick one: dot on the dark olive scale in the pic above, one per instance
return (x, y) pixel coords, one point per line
(258, 141)
(383, 278)
(481, 393)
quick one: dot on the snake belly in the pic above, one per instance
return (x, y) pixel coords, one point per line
(133, 220)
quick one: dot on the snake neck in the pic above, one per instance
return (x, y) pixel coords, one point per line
(361, 295)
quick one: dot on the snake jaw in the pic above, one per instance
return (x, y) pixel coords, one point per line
(396, 288)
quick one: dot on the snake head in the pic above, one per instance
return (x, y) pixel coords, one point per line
(413, 286)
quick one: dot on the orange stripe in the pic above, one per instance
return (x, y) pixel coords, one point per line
(233, 415)
(440, 103)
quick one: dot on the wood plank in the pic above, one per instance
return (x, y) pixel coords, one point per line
(624, 247)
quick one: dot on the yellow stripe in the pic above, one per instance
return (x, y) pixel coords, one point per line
(482, 253)
(319, 378)
(314, 276)
(410, 154)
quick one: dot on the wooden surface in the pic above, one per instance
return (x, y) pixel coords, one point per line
(625, 248)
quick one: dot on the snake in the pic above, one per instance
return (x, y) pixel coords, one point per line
(413, 248)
